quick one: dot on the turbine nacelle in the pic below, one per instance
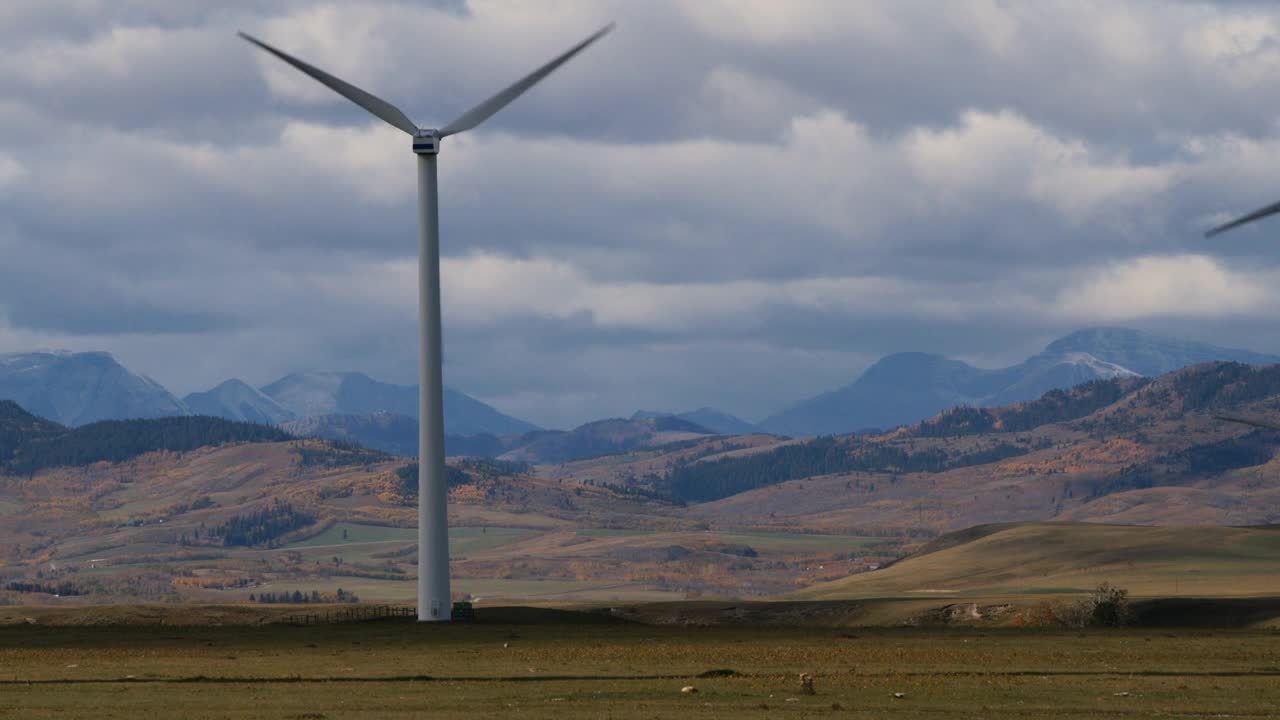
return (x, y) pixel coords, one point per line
(426, 142)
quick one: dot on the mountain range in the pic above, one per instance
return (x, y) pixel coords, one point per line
(76, 389)
(79, 388)
(398, 434)
(308, 394)
(236, 400)
(385, 431)
(904, 388)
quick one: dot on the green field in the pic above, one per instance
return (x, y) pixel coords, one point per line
(581, 665)
(348, 533)
(462, 540)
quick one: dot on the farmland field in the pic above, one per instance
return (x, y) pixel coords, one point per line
(562, 665)
(798, 541)
(342, 533)
(462, 540)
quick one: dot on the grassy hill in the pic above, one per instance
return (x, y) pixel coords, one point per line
(1034, 558)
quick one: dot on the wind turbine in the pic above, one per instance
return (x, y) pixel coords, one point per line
(433, 528)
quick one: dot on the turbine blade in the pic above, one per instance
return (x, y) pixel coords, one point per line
(376, 105)
(1255, 215)
(1249, 421)
(484, 110)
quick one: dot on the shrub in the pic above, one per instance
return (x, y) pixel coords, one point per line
(1056, 614)
(1109, 606)
(1106, 606)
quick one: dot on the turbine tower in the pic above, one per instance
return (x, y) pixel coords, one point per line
(433, 528)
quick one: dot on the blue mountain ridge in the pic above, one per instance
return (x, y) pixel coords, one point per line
(906, 388)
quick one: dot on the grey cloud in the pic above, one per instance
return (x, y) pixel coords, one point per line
(171, 195)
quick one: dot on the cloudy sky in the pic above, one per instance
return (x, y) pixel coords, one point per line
(737, 203)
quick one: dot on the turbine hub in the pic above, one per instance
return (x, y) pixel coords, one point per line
(426, 142)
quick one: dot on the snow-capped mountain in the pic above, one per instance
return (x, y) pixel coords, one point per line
(1149, 355)
(308, 394)
(236, 400)
(908, 387)
(80, 388)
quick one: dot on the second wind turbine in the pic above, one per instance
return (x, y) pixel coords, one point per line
(433, 521)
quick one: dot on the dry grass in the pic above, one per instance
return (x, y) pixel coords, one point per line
(566, 670)
(1052, 558)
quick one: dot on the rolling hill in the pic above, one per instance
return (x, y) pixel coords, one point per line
(18, 428)
(29, 444)
(671, 509)
(398, 434)
(714, 420)
(220, 524)
(1049, 558)
(602, 437)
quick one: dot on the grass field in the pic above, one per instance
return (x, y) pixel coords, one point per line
(1050, 558)
(777, 541)
(580, 665)
(361, 541)
(612, 532)
(373, 590)
(802, 542)
(345, 533)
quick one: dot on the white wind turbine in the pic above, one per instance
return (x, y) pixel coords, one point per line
(433, 530)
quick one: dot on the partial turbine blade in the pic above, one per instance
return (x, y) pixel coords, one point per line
(1255, 215)
(484, 110)
(373, 104)
(1249, 421)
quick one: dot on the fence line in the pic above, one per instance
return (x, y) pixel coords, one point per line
(358, 613)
